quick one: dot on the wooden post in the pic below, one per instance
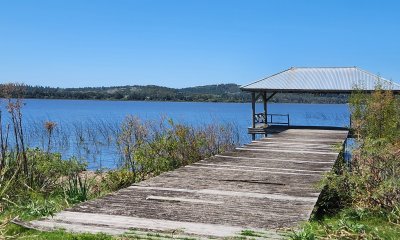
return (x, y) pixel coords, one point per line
(265, 106)
(253, 116)
(264, 96)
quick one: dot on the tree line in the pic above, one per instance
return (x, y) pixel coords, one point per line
(207, 93)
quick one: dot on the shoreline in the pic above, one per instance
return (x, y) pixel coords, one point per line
(168, 101)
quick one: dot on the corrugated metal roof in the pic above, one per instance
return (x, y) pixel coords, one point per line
(321, 79)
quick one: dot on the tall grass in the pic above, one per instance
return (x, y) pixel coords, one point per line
(149, 148)
(100, 142)
(89, 140)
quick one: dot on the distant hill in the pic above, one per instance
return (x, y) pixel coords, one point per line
(208, 93)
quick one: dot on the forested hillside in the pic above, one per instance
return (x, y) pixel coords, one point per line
(208, 93)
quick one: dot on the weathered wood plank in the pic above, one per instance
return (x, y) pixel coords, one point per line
(247, 167)
(84, 222)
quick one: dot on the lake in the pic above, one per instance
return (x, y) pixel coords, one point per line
(81, 113)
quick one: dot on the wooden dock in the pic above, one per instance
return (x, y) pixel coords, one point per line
(265, 185)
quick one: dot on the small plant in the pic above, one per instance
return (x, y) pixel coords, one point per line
(347, 229)
(304, 233)
(77, 189)
(356, 214)
(38, 208)
(394, 216)
(250, 233)
(351, 227)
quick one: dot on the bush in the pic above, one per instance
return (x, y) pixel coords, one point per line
(372, 180)
(46, 169)
(149, 149)
(118, 179)
(45, 174)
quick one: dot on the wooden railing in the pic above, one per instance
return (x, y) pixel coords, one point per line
(283, 119)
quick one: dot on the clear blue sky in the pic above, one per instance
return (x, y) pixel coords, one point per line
(179, 43)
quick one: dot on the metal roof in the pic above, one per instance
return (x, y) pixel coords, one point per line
(321, 79)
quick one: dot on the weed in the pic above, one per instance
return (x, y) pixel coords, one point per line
(38, 208)
(394, 216)
(77, 189)
(305, 233)
(250, 233)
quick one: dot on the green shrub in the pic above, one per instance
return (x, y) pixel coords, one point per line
(46, 173)
(118, 179)
(39, 208)
(46, 169)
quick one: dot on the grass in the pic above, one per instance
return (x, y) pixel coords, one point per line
(16, 232)
(250, 233)
(350, 224)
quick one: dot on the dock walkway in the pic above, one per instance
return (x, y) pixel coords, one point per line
(264, 185)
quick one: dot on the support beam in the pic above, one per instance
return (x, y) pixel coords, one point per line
(253, 115)
(272, 95)
(265, 100)
(264, 96)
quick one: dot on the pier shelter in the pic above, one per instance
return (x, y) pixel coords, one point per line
(317, 80)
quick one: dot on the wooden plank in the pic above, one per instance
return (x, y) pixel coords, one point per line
(258, 168)
(124, 223)
(286, 151)
(254, 160)
(178, 199)
(253, 170)
(233, 193)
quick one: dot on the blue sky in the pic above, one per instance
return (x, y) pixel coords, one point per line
(180, 43)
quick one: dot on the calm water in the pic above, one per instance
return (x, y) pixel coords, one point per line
(81, 112)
